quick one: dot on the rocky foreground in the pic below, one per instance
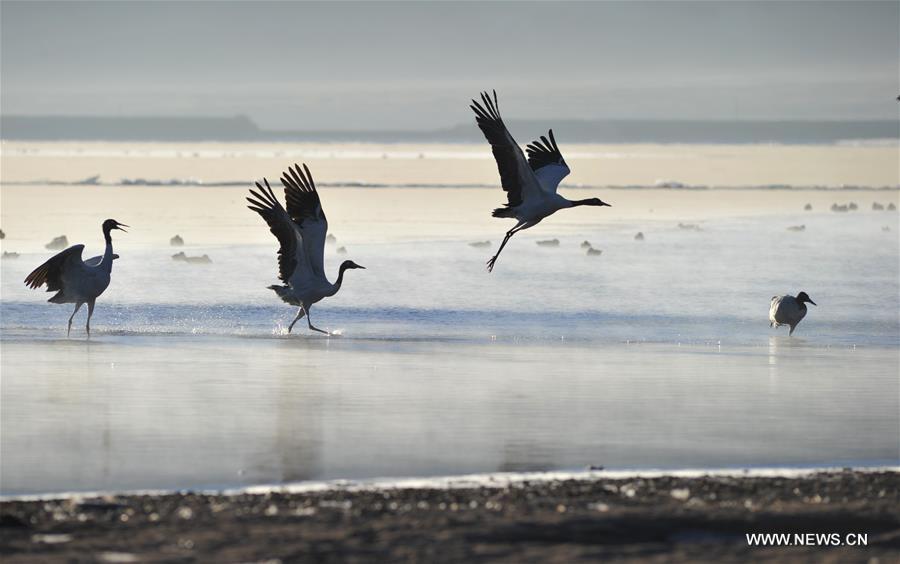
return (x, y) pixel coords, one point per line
(661, 519)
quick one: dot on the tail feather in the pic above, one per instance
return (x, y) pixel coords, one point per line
(503, 212)
(284, 292)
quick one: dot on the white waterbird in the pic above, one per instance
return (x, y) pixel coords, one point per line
(75, 280)
(788, 310)
(301, 230)
(530, 184)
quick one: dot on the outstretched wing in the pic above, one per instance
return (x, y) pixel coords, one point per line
(547, 162)
(270, 209)
(305, 209)
(54, 272)
(516, 177)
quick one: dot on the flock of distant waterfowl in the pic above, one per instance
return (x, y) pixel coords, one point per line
(835, 207)
(552, 243)
(301, 229)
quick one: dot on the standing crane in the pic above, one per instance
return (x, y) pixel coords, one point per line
(74, 280)
(531, 184)
(301, 230)
(788, 310)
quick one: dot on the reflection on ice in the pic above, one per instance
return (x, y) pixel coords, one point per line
(154, 412)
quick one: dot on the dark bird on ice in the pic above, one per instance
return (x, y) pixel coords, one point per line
(788, 310)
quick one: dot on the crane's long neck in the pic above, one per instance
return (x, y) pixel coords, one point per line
(340, 279)
(576, 203)
(107, 261)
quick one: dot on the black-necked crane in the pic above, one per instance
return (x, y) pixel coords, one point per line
(788, 310)
(75, 280)
(301, 230)
(530, 184)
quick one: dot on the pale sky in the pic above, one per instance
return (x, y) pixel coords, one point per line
(378, 65)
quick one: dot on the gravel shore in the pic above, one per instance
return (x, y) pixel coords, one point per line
(659, 519)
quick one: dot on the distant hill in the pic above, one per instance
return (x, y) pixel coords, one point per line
(242, 128)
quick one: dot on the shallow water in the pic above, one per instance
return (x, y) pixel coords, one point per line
(656, 354)
(676, 286)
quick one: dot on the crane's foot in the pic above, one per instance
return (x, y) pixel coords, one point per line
(490, 263)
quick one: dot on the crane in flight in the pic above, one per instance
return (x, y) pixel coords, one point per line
(531, 184)
(75, 280)
(301, 230)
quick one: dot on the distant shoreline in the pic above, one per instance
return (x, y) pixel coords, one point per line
(675, 186)
(242, 128)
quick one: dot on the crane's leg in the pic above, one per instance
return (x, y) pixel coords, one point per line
(510, 233)
(77, 307)
(309, 322)
(90, 313)
(300, 314)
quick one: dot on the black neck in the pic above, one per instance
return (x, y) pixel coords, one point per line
(340, 278)
(106, 262)
(587, 202)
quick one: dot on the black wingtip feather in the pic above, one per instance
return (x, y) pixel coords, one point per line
(312, 183)
(488, 109)
(300, 193)
(297, 179)
(543, 152)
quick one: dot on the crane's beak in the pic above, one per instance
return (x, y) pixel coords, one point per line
(119, 226)
(812, 302)
(359, 266)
